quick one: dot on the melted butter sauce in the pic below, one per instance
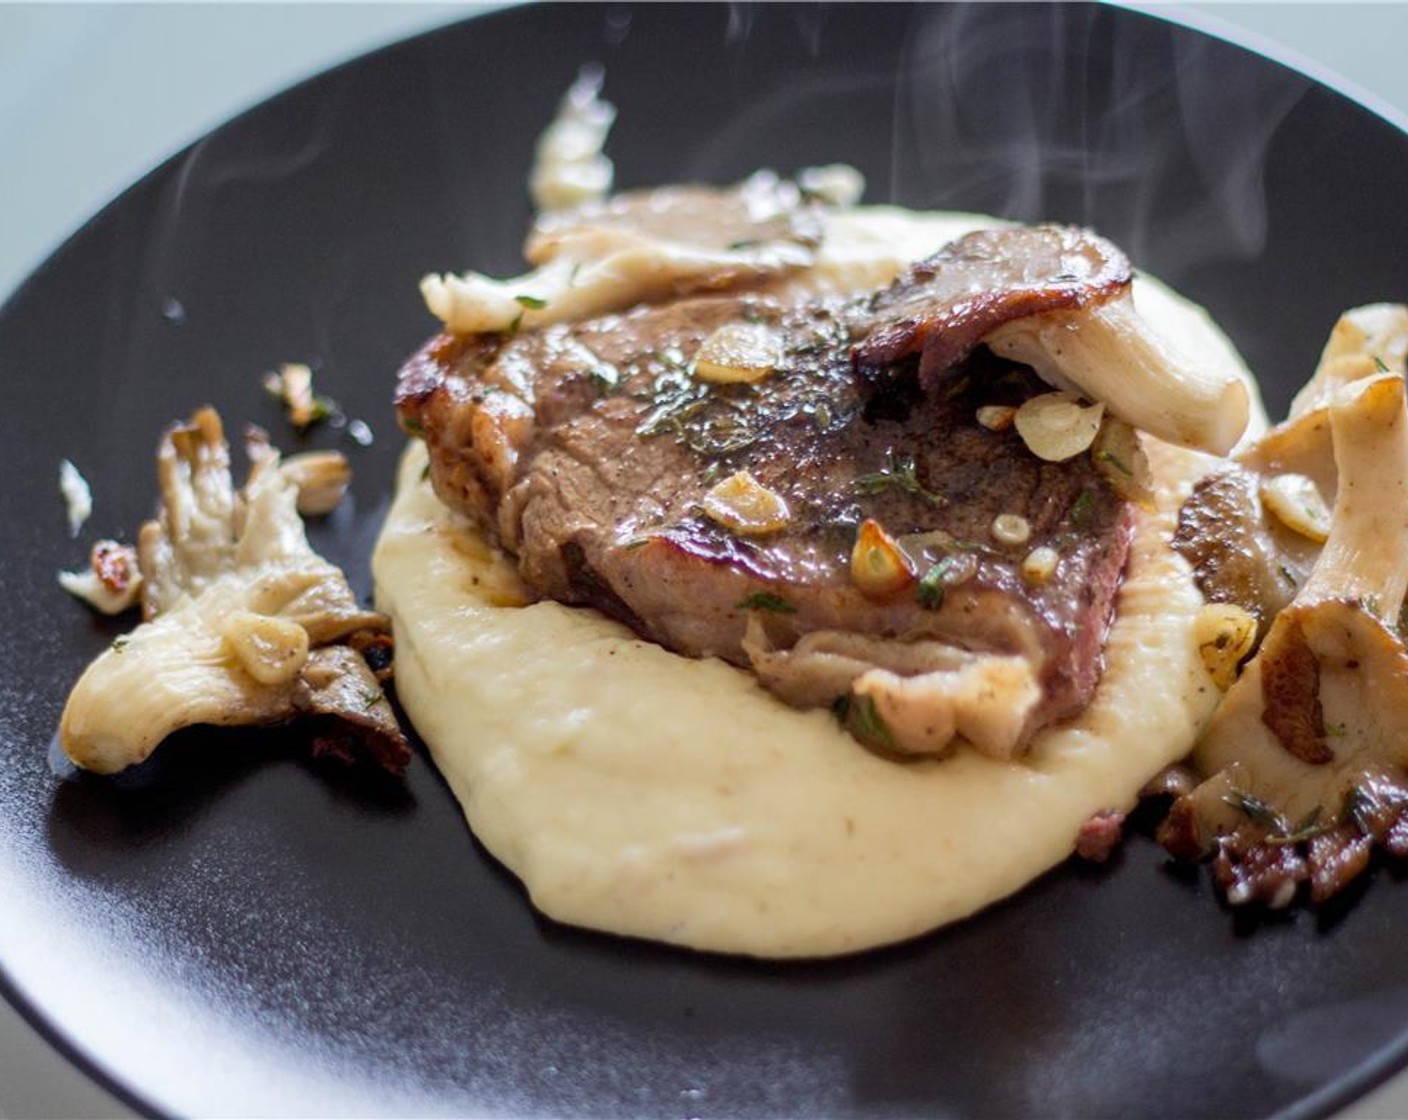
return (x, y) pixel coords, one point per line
(646, 794)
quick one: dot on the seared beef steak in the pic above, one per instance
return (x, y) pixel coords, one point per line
(593, 453)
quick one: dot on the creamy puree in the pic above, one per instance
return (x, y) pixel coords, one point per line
(639, 792)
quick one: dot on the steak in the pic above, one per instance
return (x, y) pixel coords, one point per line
(593, 453)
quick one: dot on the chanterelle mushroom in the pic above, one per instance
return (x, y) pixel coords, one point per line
(245, 623)
(1320, 714)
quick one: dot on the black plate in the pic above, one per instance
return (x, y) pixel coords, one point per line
(234, 930)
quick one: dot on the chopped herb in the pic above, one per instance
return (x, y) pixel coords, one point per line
(1083, 509)
(517, 322)
(120, 643)
(1103, 456)
(1257, 810)
(765, 601)
(533, 303)
(934, 584)
(372, 697)
(1379, 364)
(746, 243)
(425, 472)
(1308, 827)
(864, 721)
(902, 474)
(572, 276)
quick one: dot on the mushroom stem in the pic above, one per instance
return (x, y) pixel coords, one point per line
(1364, 555)
(1109, 353)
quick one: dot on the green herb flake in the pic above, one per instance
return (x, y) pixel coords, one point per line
(1256, 810)
(1379, 364)
(864, 721)
(533, 303)
(901, 473)
(765, 601)
(371, 698)
(120, 643)
(1113, 460)
(1083, 509)
(517, 322)
(933, 586)
(746, 243)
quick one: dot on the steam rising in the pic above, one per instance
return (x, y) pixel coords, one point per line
(1069, 114)
(1044, 112)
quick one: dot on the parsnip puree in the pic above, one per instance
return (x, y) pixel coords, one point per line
(643, 793)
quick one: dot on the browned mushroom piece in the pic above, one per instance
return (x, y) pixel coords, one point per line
(1318, 712)
(245, 623)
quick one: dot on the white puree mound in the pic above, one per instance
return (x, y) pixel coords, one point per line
(643, 793)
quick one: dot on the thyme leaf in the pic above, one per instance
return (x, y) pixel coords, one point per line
(901, 473)
(533, 303)
(1256, 810)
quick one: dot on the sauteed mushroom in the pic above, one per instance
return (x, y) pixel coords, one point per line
(245, 623)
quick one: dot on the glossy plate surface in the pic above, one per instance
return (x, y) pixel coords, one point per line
(232, 929)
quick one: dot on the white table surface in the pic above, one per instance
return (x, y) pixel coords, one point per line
(92, 96)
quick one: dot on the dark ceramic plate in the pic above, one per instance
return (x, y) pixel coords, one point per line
(232, 929)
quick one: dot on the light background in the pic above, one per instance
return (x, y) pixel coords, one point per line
(86, 107)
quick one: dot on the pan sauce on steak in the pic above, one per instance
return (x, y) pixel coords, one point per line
(594, 454)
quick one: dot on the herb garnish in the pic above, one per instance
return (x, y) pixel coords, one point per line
(1379, 364)
(1277, 830)
(902, 474)
(1110, 457)
(860, 717)
(1083, 509)
(934, 584)
(533, 303)
(120, 643)
(372, 697)
(1257, 810)
(765, 601)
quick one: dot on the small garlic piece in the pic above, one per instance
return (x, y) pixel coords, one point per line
(1297, 504)
(1011, 528)
(1056, 426)
(879, 567)
(1225, 634)
(996, 417)
(322, 478)
(78, 497)
(271, 650)
(747, 507)
(738, 352)
(1040, 564)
